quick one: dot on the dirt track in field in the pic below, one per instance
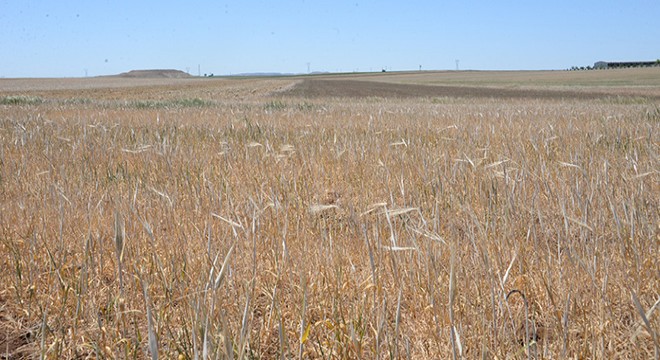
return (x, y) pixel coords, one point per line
(316, 88)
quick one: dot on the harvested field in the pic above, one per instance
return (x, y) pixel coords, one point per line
(637, 82)
(362, 89)
(321, 217)
(119, 88)
(615, 79)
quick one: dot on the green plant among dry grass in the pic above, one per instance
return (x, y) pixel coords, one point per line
(375, 228)
(20, 100)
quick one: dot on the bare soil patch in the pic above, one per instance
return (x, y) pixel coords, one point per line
(15, 341)
(15, 344)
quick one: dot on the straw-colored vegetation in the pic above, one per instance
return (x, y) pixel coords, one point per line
(213, 226)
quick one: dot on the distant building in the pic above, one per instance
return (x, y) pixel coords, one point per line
(624, 64)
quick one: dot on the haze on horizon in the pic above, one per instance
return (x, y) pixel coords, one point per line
(77, 38)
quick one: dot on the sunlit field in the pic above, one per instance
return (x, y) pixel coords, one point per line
(319, 217)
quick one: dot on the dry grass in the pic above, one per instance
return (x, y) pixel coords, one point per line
(328, 228)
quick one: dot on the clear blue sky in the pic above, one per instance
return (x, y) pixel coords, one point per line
(46, 38)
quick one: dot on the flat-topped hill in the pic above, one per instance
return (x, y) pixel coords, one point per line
(155, 73)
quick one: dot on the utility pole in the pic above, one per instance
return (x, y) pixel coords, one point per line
(308, 67)
(456, 64)
(199, 70)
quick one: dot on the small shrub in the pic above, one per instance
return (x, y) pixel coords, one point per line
(653, 114)
(21, 100)
(275, 105)
(195, 102)
(176, 103)
(305, 106)
(77, 101)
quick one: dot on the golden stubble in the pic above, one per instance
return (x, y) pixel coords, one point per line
(343, 228)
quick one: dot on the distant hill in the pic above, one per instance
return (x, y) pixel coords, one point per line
(155, 73)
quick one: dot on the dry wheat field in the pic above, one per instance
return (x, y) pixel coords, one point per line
(328, 218)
